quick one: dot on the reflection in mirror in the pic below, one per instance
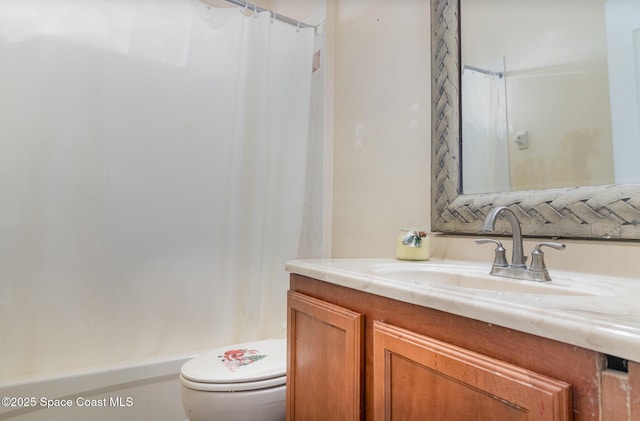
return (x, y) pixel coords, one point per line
(550, 93)
(484, 128)
(606, 211)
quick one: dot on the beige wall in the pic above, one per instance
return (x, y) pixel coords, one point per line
(382, 124)
(381, 143)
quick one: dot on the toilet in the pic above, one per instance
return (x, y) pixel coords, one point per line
(242, 382)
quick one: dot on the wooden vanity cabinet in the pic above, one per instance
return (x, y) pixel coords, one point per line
(417, 361)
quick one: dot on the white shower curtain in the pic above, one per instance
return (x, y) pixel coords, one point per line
(484, 131)
(153, 159)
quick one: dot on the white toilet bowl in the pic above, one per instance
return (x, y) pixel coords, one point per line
(237, 382)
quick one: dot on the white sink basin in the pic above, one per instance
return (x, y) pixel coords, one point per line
(439, 275)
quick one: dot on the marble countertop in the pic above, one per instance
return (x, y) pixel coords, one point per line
(594, 312)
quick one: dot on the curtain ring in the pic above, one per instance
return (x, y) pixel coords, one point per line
(298, 28)
(246, 5)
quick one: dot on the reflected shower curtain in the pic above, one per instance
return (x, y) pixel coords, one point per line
(153, 159)
(484, 131)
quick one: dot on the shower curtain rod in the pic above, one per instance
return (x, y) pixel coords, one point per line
(275, 15)
(483, 71)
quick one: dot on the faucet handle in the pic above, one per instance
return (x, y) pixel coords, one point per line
(537, 256)
(500, 258)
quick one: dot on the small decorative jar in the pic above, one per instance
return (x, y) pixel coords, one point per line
(412, 244)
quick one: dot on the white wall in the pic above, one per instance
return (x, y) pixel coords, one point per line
(623, 42)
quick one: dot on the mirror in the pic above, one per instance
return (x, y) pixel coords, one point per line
(537, 85)
(594, 211)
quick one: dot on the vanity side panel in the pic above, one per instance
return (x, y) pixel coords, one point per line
(634, 389)
(576, 366)
(614, 396)
(620, 394)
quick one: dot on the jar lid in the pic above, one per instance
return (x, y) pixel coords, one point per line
(420, 231)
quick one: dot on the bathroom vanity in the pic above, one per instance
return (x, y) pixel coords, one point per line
(385, 339)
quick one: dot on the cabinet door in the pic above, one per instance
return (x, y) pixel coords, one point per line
(419, 378)
(325, 361)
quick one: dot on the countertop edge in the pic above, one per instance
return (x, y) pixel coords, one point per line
(586, 329)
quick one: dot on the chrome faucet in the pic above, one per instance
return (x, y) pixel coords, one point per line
(518, 267)
(518, 259)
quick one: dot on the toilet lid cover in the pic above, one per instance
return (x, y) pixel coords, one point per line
(245, 362)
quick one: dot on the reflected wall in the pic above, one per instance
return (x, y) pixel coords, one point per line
(557, 87)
